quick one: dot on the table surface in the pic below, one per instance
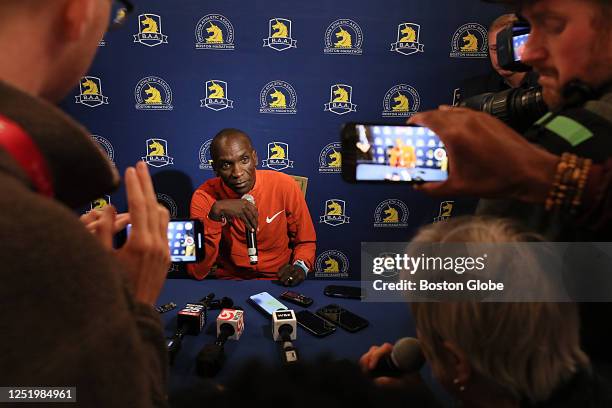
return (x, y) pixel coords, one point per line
(388, 322)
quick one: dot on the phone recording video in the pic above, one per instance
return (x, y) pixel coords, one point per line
(185, 240)
(392, 153)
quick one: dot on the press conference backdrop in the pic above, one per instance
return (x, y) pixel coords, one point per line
(289, 74)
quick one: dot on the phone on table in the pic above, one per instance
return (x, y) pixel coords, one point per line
(314, 324)
(337, 315)
(185, 240)
(374, 152)
(341, 291)
(296, 298)
(266, 303)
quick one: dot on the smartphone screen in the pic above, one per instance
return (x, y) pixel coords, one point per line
(376, 152)
(518, 45)
(185, 240)
(343, 318)
(314, 324)
(267, 303)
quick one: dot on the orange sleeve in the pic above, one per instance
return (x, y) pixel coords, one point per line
(302, 235)
(201, 203)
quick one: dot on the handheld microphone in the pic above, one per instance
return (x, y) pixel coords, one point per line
(210, 360)
(251, 236)
(406, 357)
(284, 329)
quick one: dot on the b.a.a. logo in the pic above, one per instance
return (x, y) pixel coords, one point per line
(214, 32)
(279, 35)
(470, 41)
(106, 147)
(446, 211)
(343, 36)
(278, 97)
(391, 213)
(157, 153)
(331, 264)
(169, 203)
(401, 101)
(205, 157)
(408, 39)
(90, 92)
(150, 31)
(216, 96)
(278, 157)
(330, 159)
(340, 100)
(153, 93)
(100, 203)
(335, 210)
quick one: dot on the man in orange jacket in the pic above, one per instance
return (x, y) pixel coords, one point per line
(286, 239)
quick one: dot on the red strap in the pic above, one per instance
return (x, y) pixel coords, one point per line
(23, 149)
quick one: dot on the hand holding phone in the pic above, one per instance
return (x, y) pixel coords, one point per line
(185, 240)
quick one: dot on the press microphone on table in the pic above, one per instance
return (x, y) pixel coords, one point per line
(405, 358)
(251, 236)
(210, 360)
(223, 303)
(284, 329)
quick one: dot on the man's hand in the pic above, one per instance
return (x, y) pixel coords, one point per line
(487, 158)
(291, 275)
(369, 360)
(235, 208)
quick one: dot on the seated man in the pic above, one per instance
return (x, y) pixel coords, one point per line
(286, 239)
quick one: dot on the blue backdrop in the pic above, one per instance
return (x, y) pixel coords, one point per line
(177, 72)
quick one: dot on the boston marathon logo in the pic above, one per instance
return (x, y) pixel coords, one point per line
(446, 210)
(279, 35)
(340, 100)
(157, 153)
(205, 157)
(334, 213)
(278, 97)
(330, 159)
(216, 96)
(470, 41)
(214, 32)
(90, 89)
(278, 157)
(401, 101)
(331, 264)
(343, 36)
(100, 203)
(169, 203)
(391, 213)
(408, 39)
(106, 147)
(150, 31)
(153, 93)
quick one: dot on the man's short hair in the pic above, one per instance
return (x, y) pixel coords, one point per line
(224, 134)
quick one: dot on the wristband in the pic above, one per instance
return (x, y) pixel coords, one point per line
(299, 263)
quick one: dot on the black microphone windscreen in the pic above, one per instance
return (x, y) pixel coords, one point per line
(210, 360)
(407, 355)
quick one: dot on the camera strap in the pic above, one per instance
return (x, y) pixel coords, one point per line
(24, 151)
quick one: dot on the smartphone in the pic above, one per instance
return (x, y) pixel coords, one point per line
(314, 324)
(297, 298)
(348, 292)
(266, 303)
(339, 316)
(185, 240)
(391, 153)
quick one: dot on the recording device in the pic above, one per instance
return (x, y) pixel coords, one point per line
(314, 324)
(251, 236)
(210, 360)
(341, 317)
(165, 308)
(341, 291)
(296, 298)
(266, 303)
(390, 153)
(406, 357)
(185, 240)
(510, 45)
(284, 329)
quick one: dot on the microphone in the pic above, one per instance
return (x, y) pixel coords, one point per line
(210, 360)
(284, 329)
(406, 357)
(251, 236)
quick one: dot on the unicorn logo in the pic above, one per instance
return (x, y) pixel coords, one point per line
(216, 96)
(214, 32)
(156, 149)
(278, 97)
(335, 159)
(157, 153)
(401, 101)
(278, 157)
(100, 203)
(330, 159)
(470, 41)
(281, 30)
(343, 36)
(408, 39)
(335, 210)
(150, 31)
(445, 212)
(340, 101)
(391, 213)
(279, 36)
(331, 264)
(153, 93)
(91, 92)
(345, 39)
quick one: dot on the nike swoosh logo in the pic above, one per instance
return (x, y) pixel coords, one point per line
(269, 220)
